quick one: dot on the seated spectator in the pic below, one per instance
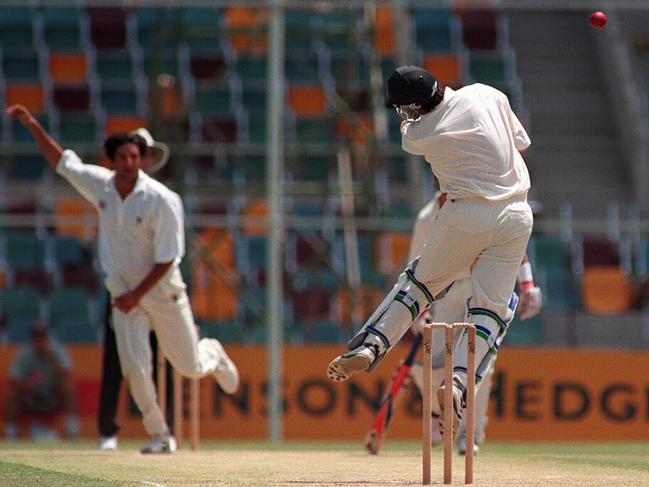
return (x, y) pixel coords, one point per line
(40, 388)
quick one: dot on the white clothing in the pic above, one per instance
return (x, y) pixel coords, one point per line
(137, 232)
(472, 141)
(148, 222)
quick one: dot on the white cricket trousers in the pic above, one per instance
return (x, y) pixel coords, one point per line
(166, 310)
(489, 237)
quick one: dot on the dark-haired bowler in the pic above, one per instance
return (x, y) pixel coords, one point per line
(141, 242)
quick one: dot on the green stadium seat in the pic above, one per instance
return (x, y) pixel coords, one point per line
(119, 98)
(69, 250)
(489, 68)
(251, 67)
(338, 29)
(16, 27)
(433, 28)
(24, 250)
(75, 331)
(225, 331)
(310, 168)
(214, 100)
(20, 308)
(160, 61)
(78, 128)
(302, 66)
(257, 129)
(20, 134)
(20, 64)
(350, 67)
(255, 100)
(314, 130)
(251, 168)
(114, 65)
(326, 332)
(548, 251)
(156, 27)
(299, 28)
(69, 303)
(201, 27)
(61, 27)
(528, 332)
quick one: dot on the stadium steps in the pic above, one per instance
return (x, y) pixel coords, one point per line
(573, 141)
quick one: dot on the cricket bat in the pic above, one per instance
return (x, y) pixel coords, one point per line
(381, 420)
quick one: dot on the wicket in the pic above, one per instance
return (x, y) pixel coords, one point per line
(194, 409)
(448, 401)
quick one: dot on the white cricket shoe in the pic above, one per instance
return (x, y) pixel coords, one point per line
(160, 444)
(461, 445)
(458, 407)
(344, 366)
(226, 373)
(107, 443)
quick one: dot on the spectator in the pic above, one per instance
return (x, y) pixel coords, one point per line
(40, 387)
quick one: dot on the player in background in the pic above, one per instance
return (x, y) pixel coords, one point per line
(141, 242)
(472, 139)
(453, 309)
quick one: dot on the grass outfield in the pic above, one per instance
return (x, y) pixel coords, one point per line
(293, 464)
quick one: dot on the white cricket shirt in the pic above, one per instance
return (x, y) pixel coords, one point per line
(471, 141)
(145, 228)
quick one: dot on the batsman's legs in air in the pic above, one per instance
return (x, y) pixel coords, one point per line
(481, 418)
(401, 307)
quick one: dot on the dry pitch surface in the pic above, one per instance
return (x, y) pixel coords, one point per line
(319, 464)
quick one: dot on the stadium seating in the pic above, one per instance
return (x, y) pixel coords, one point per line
(62, 27)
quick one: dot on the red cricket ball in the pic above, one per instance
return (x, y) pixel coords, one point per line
(598, 19)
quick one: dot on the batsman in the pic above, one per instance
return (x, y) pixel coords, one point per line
(453, 309)
(473, 142)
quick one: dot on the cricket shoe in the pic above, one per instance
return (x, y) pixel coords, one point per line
(459, 403)
(461, 445)
(359, 359)
(225, 373)
(160, 444)
(107, 443)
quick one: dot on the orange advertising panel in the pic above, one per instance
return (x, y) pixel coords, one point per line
(538, 394)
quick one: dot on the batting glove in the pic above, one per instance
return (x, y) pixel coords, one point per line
(530, 302)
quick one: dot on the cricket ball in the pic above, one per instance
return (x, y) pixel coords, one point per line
(598, 19)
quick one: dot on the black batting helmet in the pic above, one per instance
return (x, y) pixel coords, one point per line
(410, 84)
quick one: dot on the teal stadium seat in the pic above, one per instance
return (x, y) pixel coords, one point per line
(302, 67)
(156, 27)
(251, 68)
(61, 27)
(528, 332)
(28, 167)
(251, 168)
(326, 332)
(20, 64)
(69, 250)
(319, 130)
(339, 29)
(201, 26)
(20, 134)
(24, 251)
(214, 100)
(16, 27)
(119, 98)
(160, 61)
(78, 128)
(114, 65)
(488, 68)
(299, 28)
(310, 168)
(433, 29)
(20, 308)
(227, 332)
(69, 315)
